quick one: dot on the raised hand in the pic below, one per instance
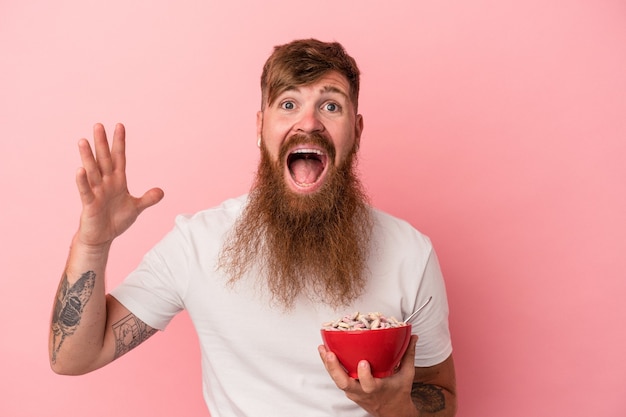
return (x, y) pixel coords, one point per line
(108, 208)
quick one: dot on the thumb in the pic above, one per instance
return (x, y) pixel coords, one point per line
(149, 199)
(408, 360)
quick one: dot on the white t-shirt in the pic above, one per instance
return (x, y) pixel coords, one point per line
(263, 361)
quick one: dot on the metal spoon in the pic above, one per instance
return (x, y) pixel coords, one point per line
(418, 310)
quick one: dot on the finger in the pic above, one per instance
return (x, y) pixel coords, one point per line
(103, 154)
(367, 380)
(118, 149)
(149, 199)
(88, 160)
(84, 189)
(321, 349)
(407, 364)
(334, 369)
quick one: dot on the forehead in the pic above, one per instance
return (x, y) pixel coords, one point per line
(328, 84)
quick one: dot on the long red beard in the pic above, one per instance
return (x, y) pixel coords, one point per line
(316, 245)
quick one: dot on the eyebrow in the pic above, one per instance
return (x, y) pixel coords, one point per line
(333, 89)
(324, 89)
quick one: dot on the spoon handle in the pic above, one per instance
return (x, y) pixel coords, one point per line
(418, 310)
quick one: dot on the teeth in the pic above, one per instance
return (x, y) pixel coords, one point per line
(315, 151)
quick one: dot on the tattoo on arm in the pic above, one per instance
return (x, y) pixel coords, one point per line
(69, 307)
(130, 332)
(427, 397)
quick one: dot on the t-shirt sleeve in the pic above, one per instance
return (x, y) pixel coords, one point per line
(434, 344)
(154, 291)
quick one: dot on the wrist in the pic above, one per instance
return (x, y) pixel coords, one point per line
(407, 409)
(86, 251)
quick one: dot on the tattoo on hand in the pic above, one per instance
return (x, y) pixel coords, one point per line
(129, 333)
(69, 307)
(427, 397)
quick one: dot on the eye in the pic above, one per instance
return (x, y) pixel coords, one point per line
(332, 107)
(288, 105)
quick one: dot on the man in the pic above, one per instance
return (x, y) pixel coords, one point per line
(260, 273)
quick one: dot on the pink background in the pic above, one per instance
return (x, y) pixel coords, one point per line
(498, 128)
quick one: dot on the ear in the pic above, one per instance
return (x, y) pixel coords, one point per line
(259, 127)
(358, 129)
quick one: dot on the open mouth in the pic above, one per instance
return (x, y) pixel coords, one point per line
(307, 166)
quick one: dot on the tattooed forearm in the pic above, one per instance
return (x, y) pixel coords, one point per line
(427, 397)
(69, 307)
(129, 333)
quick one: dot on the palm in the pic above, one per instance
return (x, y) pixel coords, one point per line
(108, 207)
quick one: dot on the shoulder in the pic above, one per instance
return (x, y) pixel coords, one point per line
(392, 229)
(222, 215)
(203, 229)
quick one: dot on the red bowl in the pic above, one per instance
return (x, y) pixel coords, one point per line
(382, 348)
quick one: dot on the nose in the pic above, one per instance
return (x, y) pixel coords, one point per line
(309, 122)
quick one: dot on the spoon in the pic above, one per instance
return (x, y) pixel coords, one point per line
(418, 310)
